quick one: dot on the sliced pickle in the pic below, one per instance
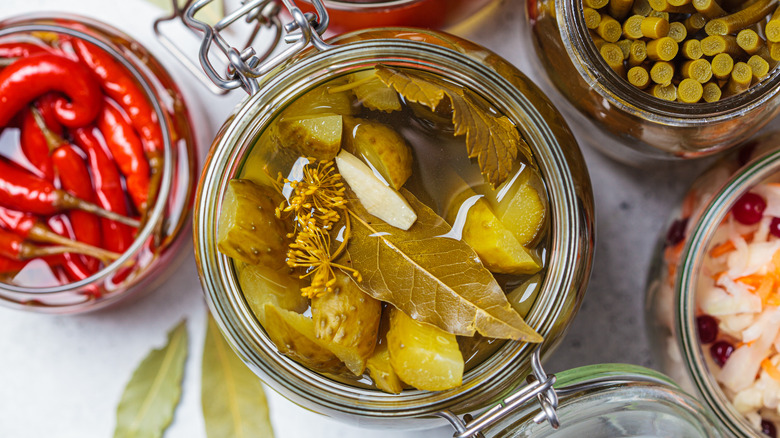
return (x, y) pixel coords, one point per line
(422, 355)
(248, 229)
(317, 136)
(261, 284)
(382, 373)
(495, 245)
(519, 207)
(294, 336)
(374, 94)
(347, 319)
(523, 297)
(382, 147)
(320, 101)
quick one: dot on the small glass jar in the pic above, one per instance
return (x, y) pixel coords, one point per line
(634, 126)
(671, 305)
(348, 15)
(560, 164)
(159, 240)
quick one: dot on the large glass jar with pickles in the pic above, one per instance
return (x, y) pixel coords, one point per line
(389, 228)
(635, 120)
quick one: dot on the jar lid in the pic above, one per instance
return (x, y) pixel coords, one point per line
(605, 400)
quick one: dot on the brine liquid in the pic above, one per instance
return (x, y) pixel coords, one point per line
(441, 170)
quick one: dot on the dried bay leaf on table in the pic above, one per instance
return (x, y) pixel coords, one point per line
(232, 396)
(435, 279)
(151, 395)
(490, 138)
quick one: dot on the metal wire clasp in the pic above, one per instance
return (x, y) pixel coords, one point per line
(245, 65)
(540, 387)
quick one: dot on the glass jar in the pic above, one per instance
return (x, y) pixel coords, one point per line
(613, 400)
(633, 126)
(158, 242)
(671, 299)
(560, 164)
(348, 15)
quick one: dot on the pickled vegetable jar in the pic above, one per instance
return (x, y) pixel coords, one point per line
(633, 125)
(712, 301)
(115, 180)
(388, 227)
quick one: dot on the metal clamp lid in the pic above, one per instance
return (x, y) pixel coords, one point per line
(245, 65)
(540, 386)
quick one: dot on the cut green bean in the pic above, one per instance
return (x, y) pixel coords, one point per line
(665, 92)
(637, 53)
(711, 92)
(722, 64)
(737, 21)
(655, 27)
(715, 44)
(740, 80)
(609, 29)
(697, 69)
(758, 66)
(619, 9)
(710, 9)
(662, 49)
(638, 77)
(662, 73)
(691, 49)
(694, 23)
(772, 29)
(641, 7)
(614, 57)
(592, 18)
(632, 27)
(677, 32)
(689, 91)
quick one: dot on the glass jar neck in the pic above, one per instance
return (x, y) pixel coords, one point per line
(569, 255)
(693, 256)
(619, 93)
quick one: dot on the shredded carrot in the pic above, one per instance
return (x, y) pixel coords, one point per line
(765, 290)
(770, 369)
(672, 274)
(722, 249)
(776, 262)
(743, 344)
(689, 203)
(754, 280)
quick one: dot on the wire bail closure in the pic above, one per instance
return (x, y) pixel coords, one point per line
(245, 65)
(540, 387)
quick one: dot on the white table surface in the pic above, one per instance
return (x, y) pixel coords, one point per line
(62, 376)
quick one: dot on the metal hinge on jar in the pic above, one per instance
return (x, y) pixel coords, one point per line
(540, 387)
(245, 64)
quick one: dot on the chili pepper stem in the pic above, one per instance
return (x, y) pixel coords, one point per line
(52, 139)
(41, 233)
(69, 201)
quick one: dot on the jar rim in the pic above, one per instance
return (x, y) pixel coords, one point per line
(692, 256)
(31, 23)
(219, 282)
(618, 92)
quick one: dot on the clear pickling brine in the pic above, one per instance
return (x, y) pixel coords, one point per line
(389, 229)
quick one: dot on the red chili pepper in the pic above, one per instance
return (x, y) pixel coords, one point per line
(20, 50)
(28, 78)
(74, 267)
(128, 152)
(75, 179)
(108, 188)
(21, 190)
(11, 266)
(120, 85)
(47, 104)
(35, 146)
(18, 222)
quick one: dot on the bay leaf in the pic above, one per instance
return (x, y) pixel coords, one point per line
(151, 395)
(232, 396)
(433, 278)
(490, 138)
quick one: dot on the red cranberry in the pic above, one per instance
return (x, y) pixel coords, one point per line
(676, 232)
(774, 226)
(768, 428)
(721, 351)
(749, 208)
(708, 329)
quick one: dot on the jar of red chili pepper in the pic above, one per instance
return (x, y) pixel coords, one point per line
(712, 294)
(96, 167)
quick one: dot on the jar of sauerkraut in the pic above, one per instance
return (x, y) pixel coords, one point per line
(713, 310)
(365, 267)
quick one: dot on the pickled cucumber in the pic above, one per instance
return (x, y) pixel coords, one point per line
(378, 365)
(321, 100)
(317, 136)
(248, 228)
(347, 320)
(496, 246)
(520, 207)
(293, 335)
(374, 94)
(261, 285)
(382, 147)
(422, 355)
